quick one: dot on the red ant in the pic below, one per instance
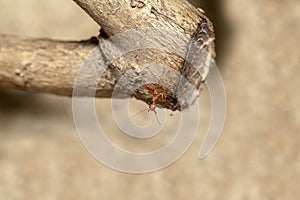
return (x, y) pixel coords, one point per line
(158, 93)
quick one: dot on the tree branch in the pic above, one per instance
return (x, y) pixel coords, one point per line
(41, 65)
(117, 16)
(44, 65)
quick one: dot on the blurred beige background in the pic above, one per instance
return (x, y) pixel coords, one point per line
(257, 157)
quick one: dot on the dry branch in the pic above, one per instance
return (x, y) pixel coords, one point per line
(43, 65)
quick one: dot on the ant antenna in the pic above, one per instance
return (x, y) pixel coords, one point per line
(133, 116)
(156, 117)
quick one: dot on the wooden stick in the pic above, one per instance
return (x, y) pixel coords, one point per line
(44, 65)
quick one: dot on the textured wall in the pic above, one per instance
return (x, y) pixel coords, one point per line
(257, 157)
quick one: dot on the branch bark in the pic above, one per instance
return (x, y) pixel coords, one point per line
(41, 65)
(44, 65)
(118, 15)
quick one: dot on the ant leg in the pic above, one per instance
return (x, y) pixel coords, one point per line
(139, 113)
(157, 117)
